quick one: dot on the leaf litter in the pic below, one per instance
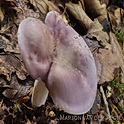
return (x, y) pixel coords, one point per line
(16, 85)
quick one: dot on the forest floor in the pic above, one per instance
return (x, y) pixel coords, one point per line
(16, 85)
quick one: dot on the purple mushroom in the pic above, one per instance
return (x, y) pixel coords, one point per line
(56, 54)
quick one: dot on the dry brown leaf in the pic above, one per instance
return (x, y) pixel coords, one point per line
(115, 14)
(96, 31)
(42, 5)
(104, 2)
(118, 15)
(8, 38)
(11, 46)
(117, 51)
(17, 90)
(108, 55)
(95, 9)
(2, 43)
(2, 122)
(53, 122)
(10, 64)
(3, 84)
(23, 99)
(111, 64)
(77, 11)
(82, 3)
(4, 29)
(1, 15)
(1, 109)
(53, 7)
(98, 10)
(28, 122)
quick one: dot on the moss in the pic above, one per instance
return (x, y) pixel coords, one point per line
(118, 89)
(119, 32)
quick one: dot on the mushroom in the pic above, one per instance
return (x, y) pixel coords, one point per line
(36, 52)
(56, 54)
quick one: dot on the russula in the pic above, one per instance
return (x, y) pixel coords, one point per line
(56, 54)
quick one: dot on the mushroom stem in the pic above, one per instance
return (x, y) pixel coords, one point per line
(40, 93)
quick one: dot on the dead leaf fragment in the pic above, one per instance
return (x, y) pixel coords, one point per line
(8, 38)
(77, 11)
(53, 122)
(108, 55)
(104, 2)
(116, 16)
(96, 31)
(1, 15)
(17, 90)
(10, 64)
(2, 122)
(94, 8)
(52, 6)
(42, 5)
(23, 99)
(109, 63)
(28, 122)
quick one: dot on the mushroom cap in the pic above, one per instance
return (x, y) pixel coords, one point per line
(72, 79)
(36, 47)
(60, 57)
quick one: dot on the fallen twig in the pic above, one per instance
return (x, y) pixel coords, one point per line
(106, 103)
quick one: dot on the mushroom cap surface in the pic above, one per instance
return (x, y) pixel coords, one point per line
(58, 55)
